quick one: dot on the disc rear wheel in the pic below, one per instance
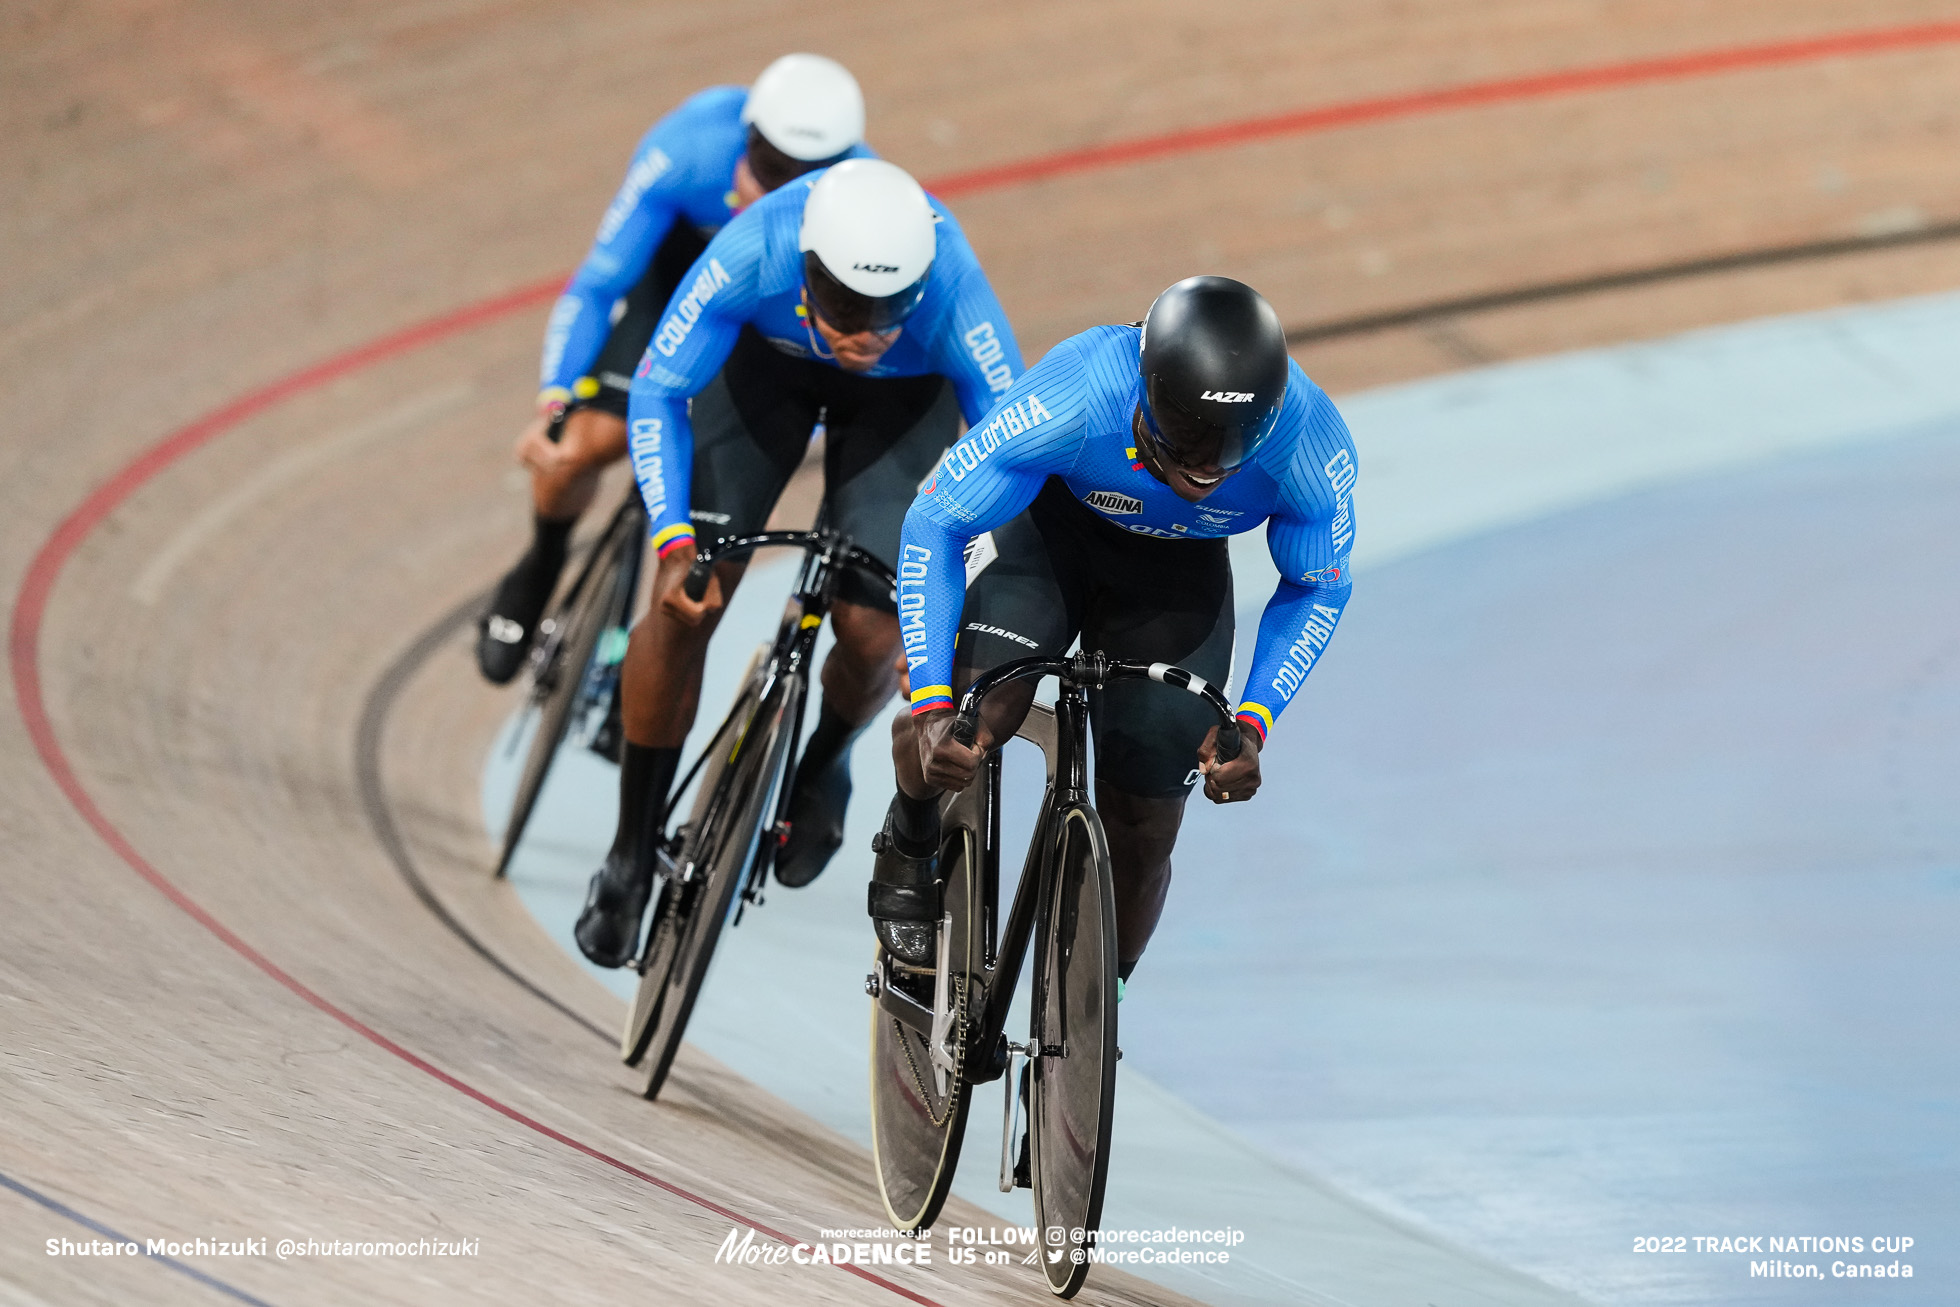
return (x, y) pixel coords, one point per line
(916, 1121)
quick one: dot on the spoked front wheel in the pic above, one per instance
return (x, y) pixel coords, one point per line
(597, 603)
(1073, 1092)
(731, 820)
(919, 1102)
(656, 961)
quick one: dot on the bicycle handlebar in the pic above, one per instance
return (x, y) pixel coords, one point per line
(706, 556)
(1091, 671)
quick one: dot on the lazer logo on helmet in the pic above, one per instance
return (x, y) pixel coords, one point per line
(875, 267)
(1228, 396)
(1108, 501)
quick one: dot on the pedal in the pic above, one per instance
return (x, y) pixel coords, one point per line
(871, 985)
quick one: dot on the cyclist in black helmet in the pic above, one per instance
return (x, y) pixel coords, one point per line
(1109, 477)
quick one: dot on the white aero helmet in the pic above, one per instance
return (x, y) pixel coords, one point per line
(868, 240)
(807, 106)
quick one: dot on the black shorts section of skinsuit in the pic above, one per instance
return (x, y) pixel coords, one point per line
(620, 356)
(882, 436)
(1064, 571)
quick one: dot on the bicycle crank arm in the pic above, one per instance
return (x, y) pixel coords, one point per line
(1011, 1100)
(894, 1002)
(944, 1062)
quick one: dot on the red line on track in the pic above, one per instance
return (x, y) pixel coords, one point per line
(30, 605)
(1509, 90)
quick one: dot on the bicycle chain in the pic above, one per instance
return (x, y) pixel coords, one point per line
(959, 1066)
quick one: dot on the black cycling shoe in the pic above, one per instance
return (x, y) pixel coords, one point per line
(905, 898)
(816, 824)
(504, 636)
(608, 930)
(609, 741)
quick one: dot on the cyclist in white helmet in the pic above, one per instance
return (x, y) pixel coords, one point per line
(849, 295)
(720, 151)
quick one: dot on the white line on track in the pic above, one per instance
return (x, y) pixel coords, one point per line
(12, 1295)
(150, 583)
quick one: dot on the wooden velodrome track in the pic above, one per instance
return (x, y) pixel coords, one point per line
(223, 1013)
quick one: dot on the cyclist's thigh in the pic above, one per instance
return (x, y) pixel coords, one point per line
(1158, 601)
(751, 427)
(882, 436)
(1024, 603)
(639, 314)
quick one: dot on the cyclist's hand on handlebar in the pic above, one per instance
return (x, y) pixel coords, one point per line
(535, 449)
(674, 600)
(1234, 781)
(948, 764)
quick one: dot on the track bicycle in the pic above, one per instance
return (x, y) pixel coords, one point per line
(738, 820)
(575, 661)
(937, 1032)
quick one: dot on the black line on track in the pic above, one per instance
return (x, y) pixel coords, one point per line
(1681, 270)
(374, 795)
(381, 698)
(62, 1209)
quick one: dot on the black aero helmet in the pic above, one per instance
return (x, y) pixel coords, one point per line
(1214, 368)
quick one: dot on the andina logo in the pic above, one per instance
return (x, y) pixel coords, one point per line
(1108, 501)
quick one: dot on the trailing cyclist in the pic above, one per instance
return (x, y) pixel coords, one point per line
(850, 297)
(1110, 476)
(720, 151)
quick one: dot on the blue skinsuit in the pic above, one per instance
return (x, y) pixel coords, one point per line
(1069, 417)
(683, 171)
(752, 274)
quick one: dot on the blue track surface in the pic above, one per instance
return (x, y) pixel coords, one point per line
(1626, 901)
(1616, 891)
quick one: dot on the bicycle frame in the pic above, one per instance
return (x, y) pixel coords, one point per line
(546, 646)
(1062, 733)
(826, 555)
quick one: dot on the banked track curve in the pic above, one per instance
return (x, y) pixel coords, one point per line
(75, 527)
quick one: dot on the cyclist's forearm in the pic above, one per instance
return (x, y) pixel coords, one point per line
(582, 318)
(1293, 632)
(661, 442)
(931, 591)
(572, 340)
